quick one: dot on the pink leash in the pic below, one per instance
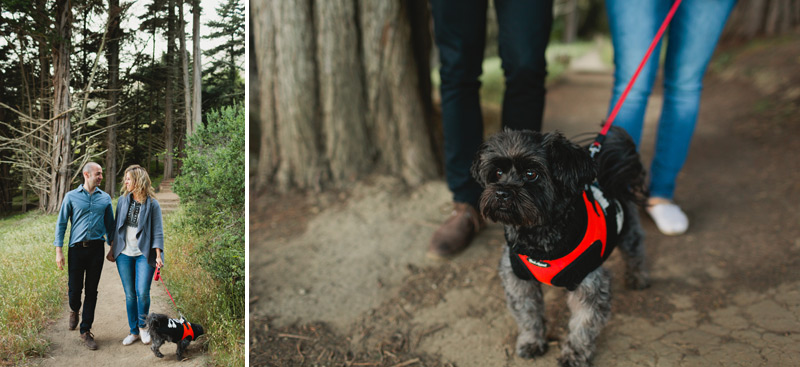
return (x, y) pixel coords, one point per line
(158, 277)
(598, 141)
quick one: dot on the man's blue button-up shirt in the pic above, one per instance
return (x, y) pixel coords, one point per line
(91, 215)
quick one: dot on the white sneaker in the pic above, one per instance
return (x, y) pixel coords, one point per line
(145, 336)
(669, 218)
(130, 339)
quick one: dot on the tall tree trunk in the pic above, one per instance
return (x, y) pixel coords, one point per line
(45, 85)
(169, 140)
(62, 128)
(263, 35)
(398, 117)
(113, 93)
(340, 93)
(187, 91)
(752, 18)
(197, 68)
(340, 69)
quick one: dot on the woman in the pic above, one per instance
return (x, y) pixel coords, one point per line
(138, 247)
(691, 39)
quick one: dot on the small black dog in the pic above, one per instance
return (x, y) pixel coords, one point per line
(560, 226)
(179, 331)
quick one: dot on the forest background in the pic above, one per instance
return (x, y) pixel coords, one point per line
(121, 83)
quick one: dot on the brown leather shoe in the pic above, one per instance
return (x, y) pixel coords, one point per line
(73, 320)
(456, 233)
(88, 338)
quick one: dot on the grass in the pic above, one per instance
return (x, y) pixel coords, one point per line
(31, 286)
(557, 55)
(200, 297)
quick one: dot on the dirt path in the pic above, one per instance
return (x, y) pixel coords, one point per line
(111, 326)
(342, 278)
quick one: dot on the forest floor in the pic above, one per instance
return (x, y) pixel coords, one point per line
(341, 278)
(110, 326)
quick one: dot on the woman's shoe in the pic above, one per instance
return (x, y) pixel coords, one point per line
(130, 339)
(145, 335)
(668, 216)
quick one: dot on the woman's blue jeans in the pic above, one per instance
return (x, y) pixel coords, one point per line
(691, 39)
(136, 275)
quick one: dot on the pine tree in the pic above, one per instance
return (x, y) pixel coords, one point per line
(228, 57)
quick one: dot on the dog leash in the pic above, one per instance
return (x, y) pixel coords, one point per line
(601, 137)
(158, 277)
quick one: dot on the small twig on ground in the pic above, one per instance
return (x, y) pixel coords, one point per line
(407, 363)
(292, 336)
(303, 358)
(253, 299)
(428, 332)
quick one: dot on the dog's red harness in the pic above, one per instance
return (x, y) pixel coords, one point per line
(187, 330)
(593, 249)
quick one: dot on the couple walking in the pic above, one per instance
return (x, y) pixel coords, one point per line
(136, 243)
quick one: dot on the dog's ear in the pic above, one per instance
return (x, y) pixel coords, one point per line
(570, 165)
(475, 169)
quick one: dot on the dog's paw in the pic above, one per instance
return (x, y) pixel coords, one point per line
(637, 281)
(159, 355)
(529, 347)
(572, 359)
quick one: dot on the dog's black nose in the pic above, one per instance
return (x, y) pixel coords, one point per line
(502, 195)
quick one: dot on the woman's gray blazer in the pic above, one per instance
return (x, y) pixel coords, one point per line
(150, 232)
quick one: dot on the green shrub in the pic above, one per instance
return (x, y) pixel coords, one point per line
(212, 188)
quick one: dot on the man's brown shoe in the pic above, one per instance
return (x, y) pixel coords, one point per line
(88, 338)
(73, 320)
(456, 233)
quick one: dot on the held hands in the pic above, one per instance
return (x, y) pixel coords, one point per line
(110, 256)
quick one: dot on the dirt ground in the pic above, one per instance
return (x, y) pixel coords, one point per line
(110, 326)
(341, 278)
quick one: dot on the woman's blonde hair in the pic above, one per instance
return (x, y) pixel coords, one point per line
(141, 181)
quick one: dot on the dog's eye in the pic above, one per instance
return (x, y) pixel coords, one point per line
(499, 173)
(531, 175)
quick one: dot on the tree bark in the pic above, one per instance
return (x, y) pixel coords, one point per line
(340, 93)
(187, 91)
(752, 18)
(396, 109)
(169, 139)
(114, 34)
(197, 68)
(263, 33)
(345, 140)
(62, 152)
(297, 110)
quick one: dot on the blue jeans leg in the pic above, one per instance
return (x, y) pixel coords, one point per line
(692, 37)
(633, 25)
(136, 275)
(523, 34)
(460, 33)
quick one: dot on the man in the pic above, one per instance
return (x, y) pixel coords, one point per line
(460, 29)
(89, 210)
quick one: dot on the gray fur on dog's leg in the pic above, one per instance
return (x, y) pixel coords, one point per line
(182, 345)
(590, 307)
(157, 342)
(525, 301)
(632, 246)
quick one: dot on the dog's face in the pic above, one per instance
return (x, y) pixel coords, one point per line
(528, 177)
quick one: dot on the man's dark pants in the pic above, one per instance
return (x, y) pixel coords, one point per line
(460, 30)
(85, 264)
